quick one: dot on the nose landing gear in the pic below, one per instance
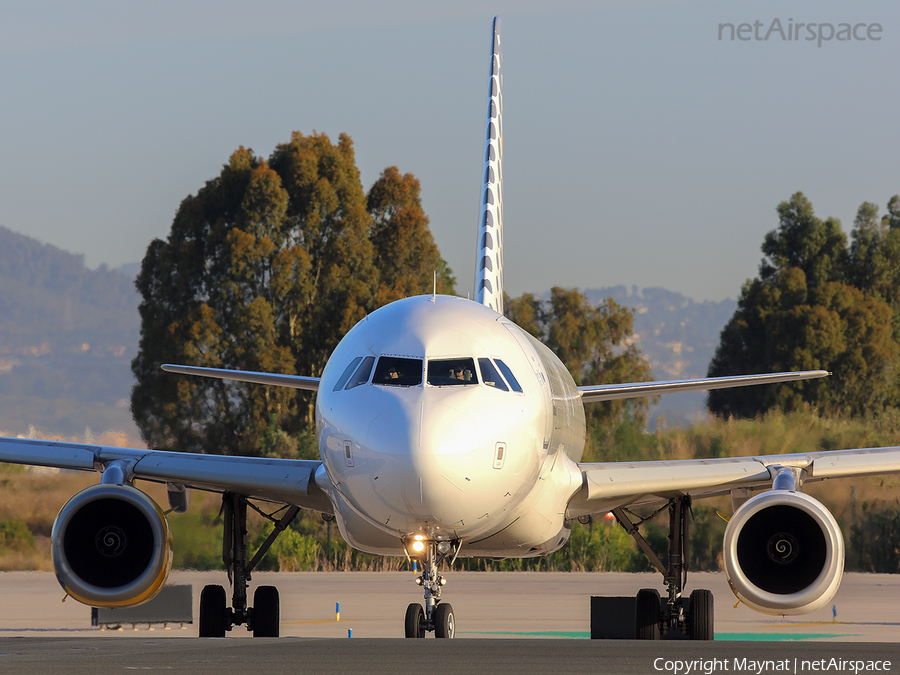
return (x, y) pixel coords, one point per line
(437, 616)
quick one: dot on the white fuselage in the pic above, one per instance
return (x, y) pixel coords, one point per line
(453, 452)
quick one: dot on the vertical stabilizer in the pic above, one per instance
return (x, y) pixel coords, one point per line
(489, 263)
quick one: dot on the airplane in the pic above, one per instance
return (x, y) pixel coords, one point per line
(445, 430)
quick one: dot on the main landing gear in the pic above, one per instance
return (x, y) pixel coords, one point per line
(264, 616)
(692, 617)
(437, 616)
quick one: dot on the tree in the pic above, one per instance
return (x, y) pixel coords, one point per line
(593, 342)
(874, 257)
(327, 219)
(804, 241)
(265, 268)
(404, 248)
(865, 268)
(800, 315)
(527, 312)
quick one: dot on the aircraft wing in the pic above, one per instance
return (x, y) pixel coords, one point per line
(295, 381)
(289, 481)
(610, 392)
(608, 485)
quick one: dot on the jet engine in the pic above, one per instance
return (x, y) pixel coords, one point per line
(111, 546)
(784, 553)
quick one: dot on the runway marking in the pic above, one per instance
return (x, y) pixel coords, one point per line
(50, 630)
(576, 635)
(724, 637)
(344, 620)
(835, 623)
(778, 637)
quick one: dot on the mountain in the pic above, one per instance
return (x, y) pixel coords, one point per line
(678, 335)
(67, 337)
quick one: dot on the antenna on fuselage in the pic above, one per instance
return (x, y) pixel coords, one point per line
(434, 292)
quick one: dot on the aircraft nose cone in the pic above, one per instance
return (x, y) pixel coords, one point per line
(420, 457)
(444, 430)
(422, 431)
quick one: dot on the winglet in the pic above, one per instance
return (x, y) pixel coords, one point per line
(489, 262)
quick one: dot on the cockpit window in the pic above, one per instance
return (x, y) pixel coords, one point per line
(490, 376)
(398, 371)
(347, 372)
(507, 373)
(444, 372)
(361, 376)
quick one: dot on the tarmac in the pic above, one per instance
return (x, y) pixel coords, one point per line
(506, 622)
(487, 605)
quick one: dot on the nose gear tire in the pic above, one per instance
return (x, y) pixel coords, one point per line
(444, 621)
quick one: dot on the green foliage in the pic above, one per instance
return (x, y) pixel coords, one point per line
(196, 539)
(593, 342)
(15, 536)
(805, 242)
(818, 305)
(707, 533)
(527, 312)
(775, 432)
(604, 546)
(266, 268)
(290, 552)
(620, 441)
(874, 541)
(406, 254)
(599, 547)
(874, 258)
(655, 532)
(14, 469)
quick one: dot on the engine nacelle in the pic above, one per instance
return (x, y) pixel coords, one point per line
(784, 553)
(112, 546)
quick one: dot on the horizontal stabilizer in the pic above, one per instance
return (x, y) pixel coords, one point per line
(274, 379)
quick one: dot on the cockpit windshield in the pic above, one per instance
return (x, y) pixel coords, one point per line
(507, 373)
(361, 376)
(397, 371)
(450, 372)
(490, 376)
(348, 371)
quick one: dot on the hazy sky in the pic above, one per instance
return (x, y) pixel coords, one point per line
(639, 148)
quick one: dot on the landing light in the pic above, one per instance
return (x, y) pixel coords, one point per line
(418, 546)
(443, 546)
(418, 581)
